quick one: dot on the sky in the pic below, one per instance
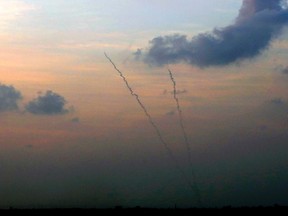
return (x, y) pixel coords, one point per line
(73, 135)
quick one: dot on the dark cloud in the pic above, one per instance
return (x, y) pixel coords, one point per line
(171, 113)
(274, 110)
(75, 120)
(9, 98)
(285, 70)
(165, 92)
(278, 101)
(282, 69)
(258, 22)
(48, 104)
(184, 91)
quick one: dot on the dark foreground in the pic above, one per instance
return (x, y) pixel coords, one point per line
(142, 211)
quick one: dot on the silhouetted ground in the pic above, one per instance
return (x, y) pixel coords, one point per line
(143, 211)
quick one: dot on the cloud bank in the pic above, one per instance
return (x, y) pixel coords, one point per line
(258, 23)
(282, 69)
(9, 98)
(48, 104)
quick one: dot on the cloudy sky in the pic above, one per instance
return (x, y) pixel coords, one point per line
(72, 135)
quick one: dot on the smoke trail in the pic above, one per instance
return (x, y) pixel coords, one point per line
(180, 114)
(156, 129)
(179, 110)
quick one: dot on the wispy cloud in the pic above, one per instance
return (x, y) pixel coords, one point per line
(13, 10)
(91, 45)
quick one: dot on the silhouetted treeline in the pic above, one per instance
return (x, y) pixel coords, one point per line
(118, 210)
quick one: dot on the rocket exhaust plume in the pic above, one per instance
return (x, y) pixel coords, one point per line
(258, 23)
(187, 144)
(156, 129)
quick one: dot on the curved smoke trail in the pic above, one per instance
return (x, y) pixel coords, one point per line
(156, 129)
(187, 144)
